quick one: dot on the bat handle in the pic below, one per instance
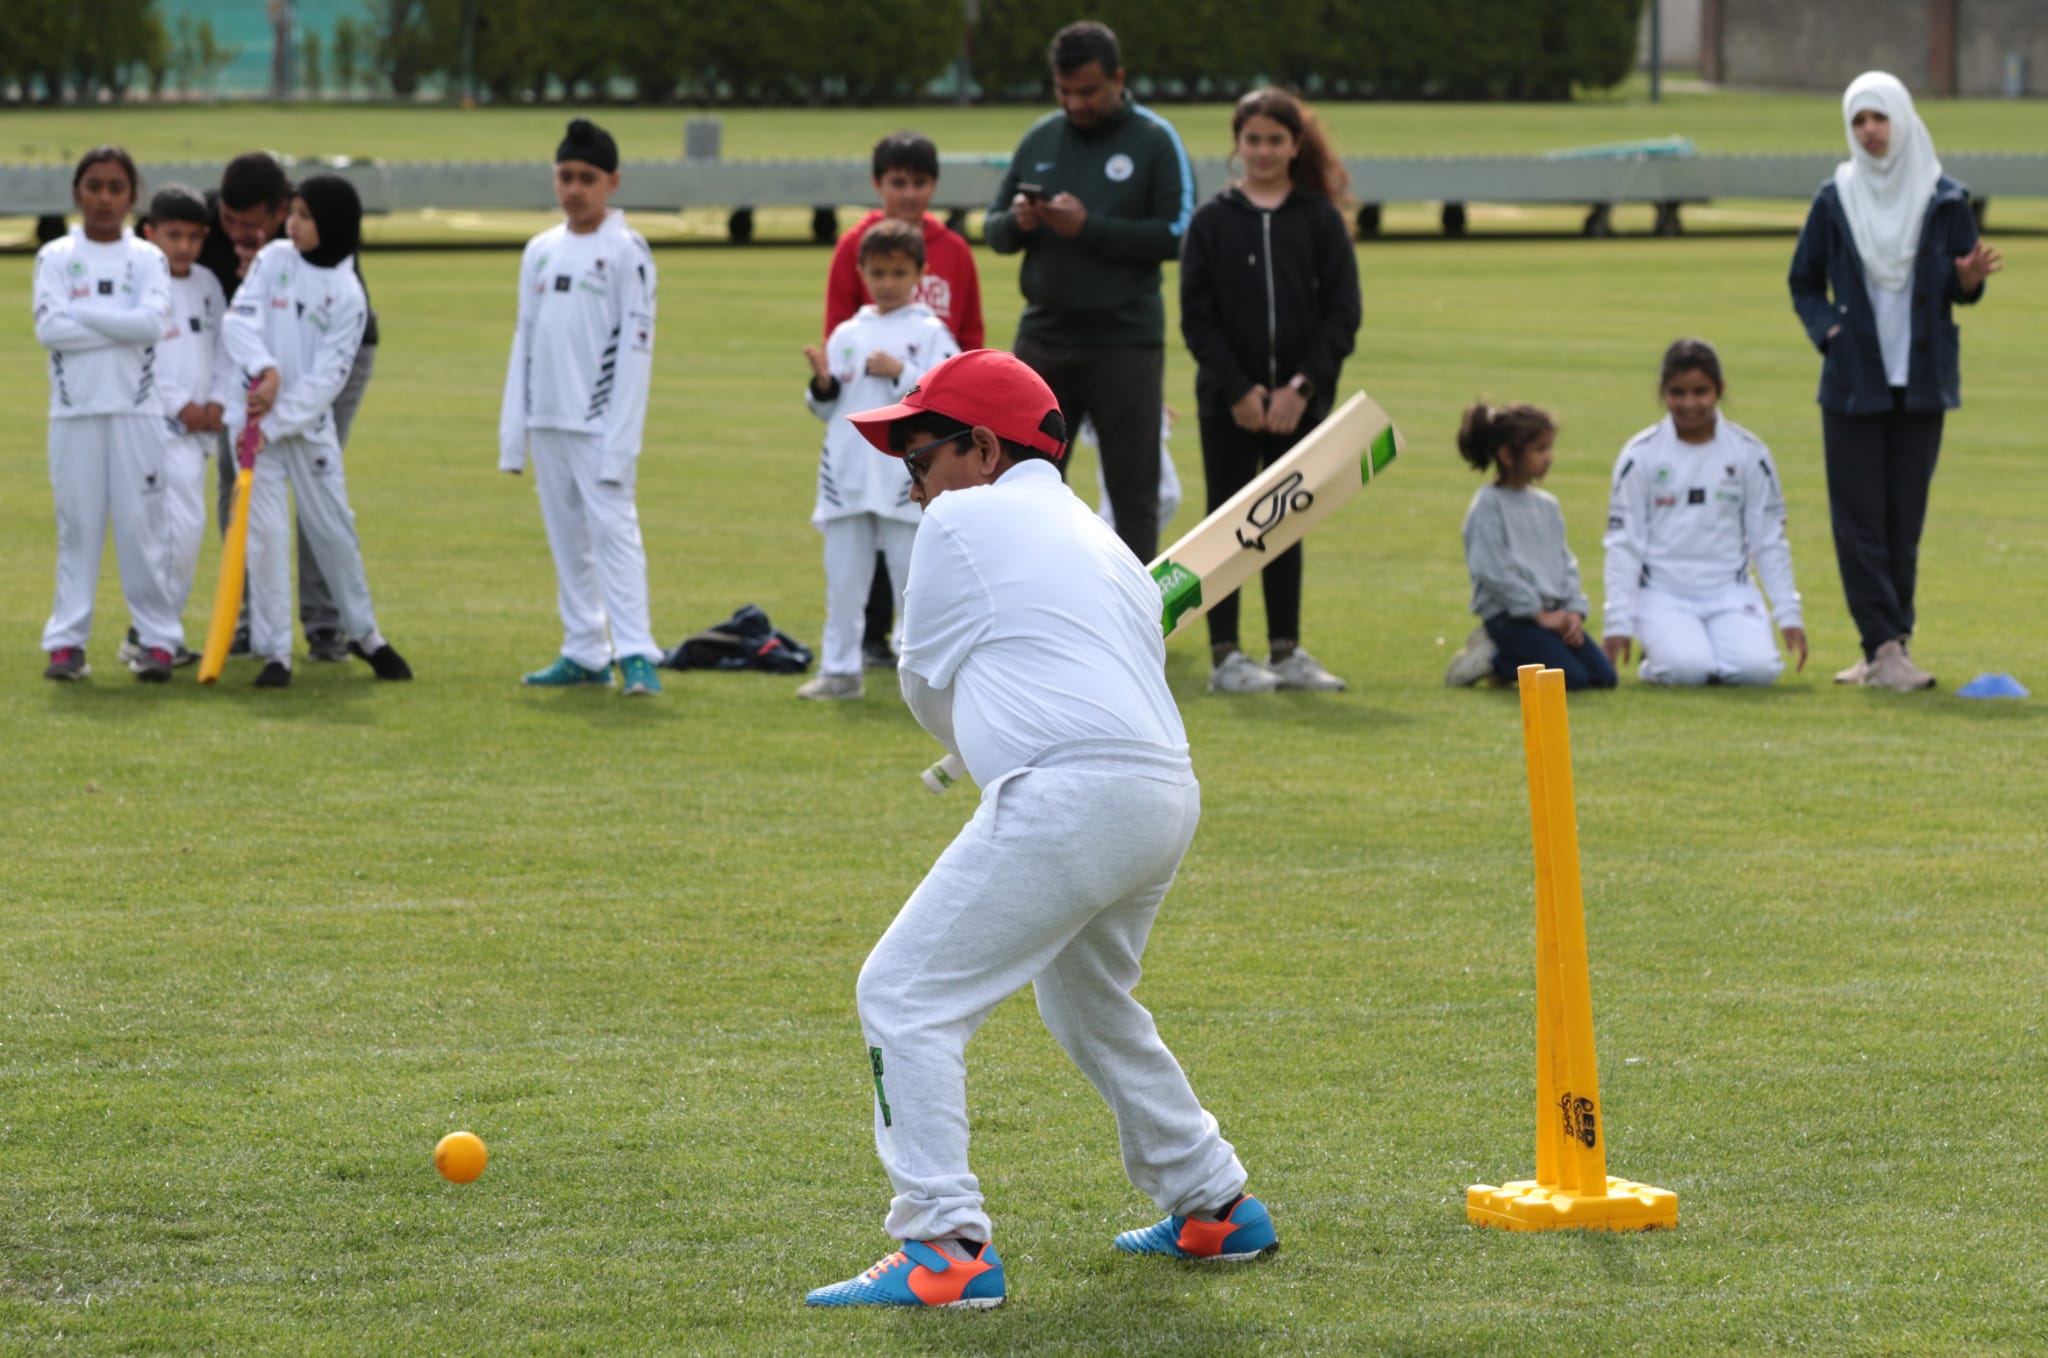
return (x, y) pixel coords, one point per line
(941, 776)
(251, 438)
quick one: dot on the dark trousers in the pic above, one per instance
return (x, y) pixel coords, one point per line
(1231, 457)
(1524, 641)
(1879, 470)
(881, 614)
(1123, 391)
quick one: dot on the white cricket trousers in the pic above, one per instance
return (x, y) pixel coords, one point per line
(1722, 634)
(295, 468)
(105, 466)
(600, 563)
(185, 467)
(850, 546)
(1054, 882)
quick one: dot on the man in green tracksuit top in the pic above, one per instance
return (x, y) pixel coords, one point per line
(1097, 196)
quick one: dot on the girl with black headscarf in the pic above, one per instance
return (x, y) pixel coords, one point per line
(294, 328)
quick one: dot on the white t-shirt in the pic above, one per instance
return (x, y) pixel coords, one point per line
(192, 365)
(306, 321)
(1040, 620)
(1893, 308)
(100, 308)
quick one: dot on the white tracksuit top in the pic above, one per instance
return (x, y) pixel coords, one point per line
(192, 366)
(853, 477)
(100, 308)
(305, 321)
(583, 345)
(1689, 518)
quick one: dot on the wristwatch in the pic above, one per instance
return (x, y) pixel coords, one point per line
(1303, 388)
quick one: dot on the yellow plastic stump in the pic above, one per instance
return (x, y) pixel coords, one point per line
(1572, 1188)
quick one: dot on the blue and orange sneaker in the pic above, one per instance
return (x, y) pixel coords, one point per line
(1245, 1231)
(920, 1275)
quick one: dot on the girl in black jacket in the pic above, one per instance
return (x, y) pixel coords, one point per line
(1269, 307)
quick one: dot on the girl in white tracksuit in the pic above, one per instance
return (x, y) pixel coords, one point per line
(1696, 500)
(293, 330)
(101, 304)
(576, 396)
(863, 503)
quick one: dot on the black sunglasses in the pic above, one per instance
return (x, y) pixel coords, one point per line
(917, 460)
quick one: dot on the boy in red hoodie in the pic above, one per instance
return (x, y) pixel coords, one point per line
(906, 173)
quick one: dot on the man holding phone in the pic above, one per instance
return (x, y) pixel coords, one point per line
(1096, 198)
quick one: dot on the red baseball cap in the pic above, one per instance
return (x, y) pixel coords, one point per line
(980, 387)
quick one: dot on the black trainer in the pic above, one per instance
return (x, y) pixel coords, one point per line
(240, 645)
(385, 660)
(276, 674)
(325, 644)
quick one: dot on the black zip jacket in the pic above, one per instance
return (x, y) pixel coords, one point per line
(1266, 294)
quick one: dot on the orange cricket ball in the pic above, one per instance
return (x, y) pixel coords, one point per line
(461, 1156)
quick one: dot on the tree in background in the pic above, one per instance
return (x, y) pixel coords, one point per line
(309, 63)
(348, 53)
(406, 52)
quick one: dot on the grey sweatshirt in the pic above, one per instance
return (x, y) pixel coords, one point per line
(1516, 552)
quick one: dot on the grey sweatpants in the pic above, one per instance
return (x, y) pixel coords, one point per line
(1054, 882)
(317, 609)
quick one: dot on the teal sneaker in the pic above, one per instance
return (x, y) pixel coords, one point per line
(566, 673)
(1244, 1232)
(919, 1275)
(641, 680)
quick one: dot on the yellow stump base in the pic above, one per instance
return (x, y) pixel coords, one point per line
(1526, 1205)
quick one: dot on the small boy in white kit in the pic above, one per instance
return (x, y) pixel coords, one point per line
(196, 379)
(292, 332)
(576, 397)
(864, 502)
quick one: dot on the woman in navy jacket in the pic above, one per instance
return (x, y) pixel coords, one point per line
(1889, 247)
(1269, 306)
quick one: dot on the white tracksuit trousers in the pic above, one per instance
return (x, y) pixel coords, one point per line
(850, 546)
(600, 562)
(185, 469)
(1055, 882)
(1690, 638)
(311, 472)
(105, 466)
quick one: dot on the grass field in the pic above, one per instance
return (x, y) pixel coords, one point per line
(262, 950)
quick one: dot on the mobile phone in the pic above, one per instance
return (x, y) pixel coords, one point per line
(1034, 193)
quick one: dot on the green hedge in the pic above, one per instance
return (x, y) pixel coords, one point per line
(826, 51)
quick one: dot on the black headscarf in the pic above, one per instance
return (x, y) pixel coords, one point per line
(337, 213)
(589, 143)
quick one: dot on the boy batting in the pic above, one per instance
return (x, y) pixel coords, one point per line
(1032, 650)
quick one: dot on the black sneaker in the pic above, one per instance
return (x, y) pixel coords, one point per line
(876, 655)
(182, 657)
(276, 674)
(153, 666)
(385, 660)
(240, 645)
(326, 645)
(67, 663)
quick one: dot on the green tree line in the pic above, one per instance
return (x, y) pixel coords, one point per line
(753, 52)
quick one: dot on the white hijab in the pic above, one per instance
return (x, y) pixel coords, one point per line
(1886, 197)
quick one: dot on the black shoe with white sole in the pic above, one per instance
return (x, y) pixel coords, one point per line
(276, 674)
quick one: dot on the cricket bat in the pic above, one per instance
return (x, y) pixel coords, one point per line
(234, 560)
(1332, 463)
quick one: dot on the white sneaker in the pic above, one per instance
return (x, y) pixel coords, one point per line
(1854, 674)
(1239, 673)
(1303, 671)
(1472, 664)
(834, 688)
(1892, 668)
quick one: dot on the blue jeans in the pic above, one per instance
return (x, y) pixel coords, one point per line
(1524, 641)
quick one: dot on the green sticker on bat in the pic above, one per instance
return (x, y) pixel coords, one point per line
(1379, 454)
(1180, 590)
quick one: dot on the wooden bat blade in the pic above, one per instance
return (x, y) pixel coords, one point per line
(227, 595)
(1331, 463)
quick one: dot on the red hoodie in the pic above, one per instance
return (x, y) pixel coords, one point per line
(950, 286)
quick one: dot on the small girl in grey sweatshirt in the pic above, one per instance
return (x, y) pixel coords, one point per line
(1525, 580)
